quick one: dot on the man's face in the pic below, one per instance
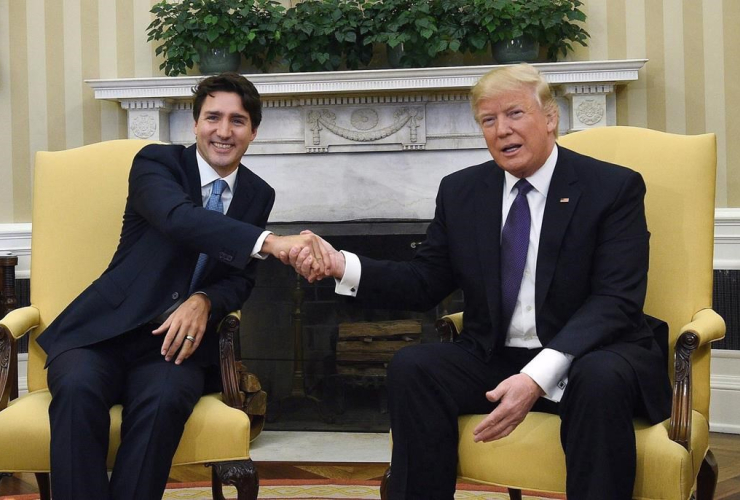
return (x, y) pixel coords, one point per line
(518, 133)
(223, 131)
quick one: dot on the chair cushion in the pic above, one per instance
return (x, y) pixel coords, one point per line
(214, 432)
(664, 468)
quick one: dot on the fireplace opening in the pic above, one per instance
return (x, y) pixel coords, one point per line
(320, 358)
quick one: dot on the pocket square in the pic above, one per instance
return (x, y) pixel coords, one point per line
(564, 200)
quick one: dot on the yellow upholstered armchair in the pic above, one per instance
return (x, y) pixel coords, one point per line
(673, 457)
(79, 196)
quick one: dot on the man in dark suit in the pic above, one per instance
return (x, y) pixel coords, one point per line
(550, 249)
(143, 334)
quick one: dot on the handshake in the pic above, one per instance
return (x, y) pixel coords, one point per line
(309, 254)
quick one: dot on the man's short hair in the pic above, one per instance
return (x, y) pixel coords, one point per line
(510, 78)
(229, 82)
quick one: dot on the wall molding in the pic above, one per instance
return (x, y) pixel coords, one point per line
(727, 238)
(16, 239)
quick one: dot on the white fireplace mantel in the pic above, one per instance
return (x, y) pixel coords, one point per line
(374, 142)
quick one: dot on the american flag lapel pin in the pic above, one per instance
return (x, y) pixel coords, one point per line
(564, 200)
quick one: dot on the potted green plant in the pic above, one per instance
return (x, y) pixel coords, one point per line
(407, 28)
(198, 31)
(320, 35)
(525, 25)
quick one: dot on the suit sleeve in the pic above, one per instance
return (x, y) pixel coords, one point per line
(612, 309)
(157, 193)
(419, 284)
(230, 289)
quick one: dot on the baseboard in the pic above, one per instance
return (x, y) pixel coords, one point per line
(22, 372)
(724, 409)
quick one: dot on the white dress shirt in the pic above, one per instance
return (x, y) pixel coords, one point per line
(207, 176)
(549, 368)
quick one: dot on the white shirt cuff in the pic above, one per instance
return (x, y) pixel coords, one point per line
(549, 369)
(258, 246)
(350, 281)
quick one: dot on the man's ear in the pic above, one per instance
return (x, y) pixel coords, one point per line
(552, 121)
(254, 133)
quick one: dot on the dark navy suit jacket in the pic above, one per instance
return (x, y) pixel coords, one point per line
(591, 270)
(165, 228)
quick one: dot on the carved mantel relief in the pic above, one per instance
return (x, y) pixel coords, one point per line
(401, 126)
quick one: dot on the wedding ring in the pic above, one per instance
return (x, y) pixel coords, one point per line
(190, 338)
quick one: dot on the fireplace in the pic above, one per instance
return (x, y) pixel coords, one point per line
(307, 388)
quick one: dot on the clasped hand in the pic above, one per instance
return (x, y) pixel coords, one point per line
(303, 259)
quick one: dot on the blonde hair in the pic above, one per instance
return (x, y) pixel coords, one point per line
(510, 78)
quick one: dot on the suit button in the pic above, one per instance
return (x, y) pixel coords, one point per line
(175, 296)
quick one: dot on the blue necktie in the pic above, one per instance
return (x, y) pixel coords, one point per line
(213, 203)
(514, 246)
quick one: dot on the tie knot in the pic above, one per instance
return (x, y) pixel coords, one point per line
(523, 186)
(218, 187)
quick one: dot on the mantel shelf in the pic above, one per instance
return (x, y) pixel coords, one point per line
(368, 81)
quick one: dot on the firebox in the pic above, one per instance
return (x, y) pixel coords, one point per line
(321, 358)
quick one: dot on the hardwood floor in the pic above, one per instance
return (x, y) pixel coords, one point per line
(726, 448)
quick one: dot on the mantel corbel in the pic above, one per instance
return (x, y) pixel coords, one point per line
(148, 118)
(590, 105)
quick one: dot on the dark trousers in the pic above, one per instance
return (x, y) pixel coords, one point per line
(157, 397)
(430, 385)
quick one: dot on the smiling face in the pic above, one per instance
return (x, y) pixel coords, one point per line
(519, 134)
(223, 131)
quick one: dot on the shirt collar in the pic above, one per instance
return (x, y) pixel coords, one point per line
(208, 175)
(540, 180)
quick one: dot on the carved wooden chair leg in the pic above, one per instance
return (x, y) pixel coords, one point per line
(42, 480)
(384, 484)
(515, 494)
(706, 482)
(239, 473)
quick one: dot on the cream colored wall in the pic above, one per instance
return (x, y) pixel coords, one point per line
(49, 47)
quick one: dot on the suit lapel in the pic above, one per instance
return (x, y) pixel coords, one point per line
(488, 199)
(243, 194)
(562, 198)
(193, 175)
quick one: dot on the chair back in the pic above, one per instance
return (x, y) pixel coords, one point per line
(78, 201)
(679, 172)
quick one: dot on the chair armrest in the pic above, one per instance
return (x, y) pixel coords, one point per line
(706, 326)
(229, 330)
(20, 321)
(450, 326)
